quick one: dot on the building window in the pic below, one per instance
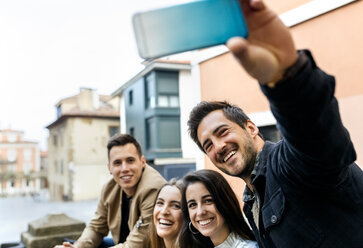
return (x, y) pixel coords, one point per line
(169, 132)
(61, 138)
(270, 133)
(163, 101)
(168, 101)
(27, 167)
(150, 90)
(55, 167)
(61, 167)
(163, 133)
(131, 97)
(132, 131)
(11, 137)
(174, 101)
(167, 86)
(27, 154)
(113, 130)
(12, 155)
(55, 140)
(59, 110)
(11, 168)
(151, 134)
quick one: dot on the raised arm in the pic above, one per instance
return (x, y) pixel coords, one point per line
(301, 96)
(269, 49)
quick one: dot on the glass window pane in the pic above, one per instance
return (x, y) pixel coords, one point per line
(27, 167)
(150, 90)
(11, 137)
(167, 82)
(131, 97)
(151, 134)
(163, 101)
(169, 133)
(11, 155)
(174, 101)
(113, 131)
(152, 102)
(27, 154)
(11, 168)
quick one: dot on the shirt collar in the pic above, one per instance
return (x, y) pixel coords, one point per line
(248, 194)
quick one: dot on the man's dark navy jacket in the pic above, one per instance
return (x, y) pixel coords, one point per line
(309, 188)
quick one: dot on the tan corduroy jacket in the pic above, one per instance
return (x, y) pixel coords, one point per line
(108, 215)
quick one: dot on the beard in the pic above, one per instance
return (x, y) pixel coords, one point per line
(249, 161)
(247, 165)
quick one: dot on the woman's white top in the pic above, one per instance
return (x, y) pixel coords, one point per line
(235, 241)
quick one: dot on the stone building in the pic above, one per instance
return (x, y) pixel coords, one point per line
(77, 154)
(19, 164)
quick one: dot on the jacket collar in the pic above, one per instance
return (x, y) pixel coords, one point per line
(258, 175)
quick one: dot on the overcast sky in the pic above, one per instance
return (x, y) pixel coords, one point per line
(51, 48)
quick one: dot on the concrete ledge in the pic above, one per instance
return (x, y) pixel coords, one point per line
(47, 241)
(51, 230)
(54, 223)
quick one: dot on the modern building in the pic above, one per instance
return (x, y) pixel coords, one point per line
(77, 153)
(19, 164)
(154, 107)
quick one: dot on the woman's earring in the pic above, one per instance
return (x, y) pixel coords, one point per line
(191, 228)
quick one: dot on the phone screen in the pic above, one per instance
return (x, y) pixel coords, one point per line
(188, 26)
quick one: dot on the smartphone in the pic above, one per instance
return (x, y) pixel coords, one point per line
(188, 26)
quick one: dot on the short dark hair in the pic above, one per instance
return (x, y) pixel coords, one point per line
(225, 201)
(121, 140)
(230, 111)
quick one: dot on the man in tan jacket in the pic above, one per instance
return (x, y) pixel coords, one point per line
(126, 203)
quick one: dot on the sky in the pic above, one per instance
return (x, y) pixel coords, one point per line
(51, 48)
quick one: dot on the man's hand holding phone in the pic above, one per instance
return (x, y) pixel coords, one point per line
(269, 49)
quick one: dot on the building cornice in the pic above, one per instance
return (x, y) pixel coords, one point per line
(154, 65)
(311, 10)
(68, 116)
(18, 142)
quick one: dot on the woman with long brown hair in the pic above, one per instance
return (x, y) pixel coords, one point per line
(167, 216)
(212, 213)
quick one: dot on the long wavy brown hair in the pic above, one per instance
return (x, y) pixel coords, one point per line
(155, 240)
(226, 203)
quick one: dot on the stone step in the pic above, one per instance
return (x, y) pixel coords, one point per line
(51, 230)
(55, 223)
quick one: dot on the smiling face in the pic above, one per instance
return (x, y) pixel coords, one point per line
(167, 213)
(126, 167)
(229, 147)
(204, 214)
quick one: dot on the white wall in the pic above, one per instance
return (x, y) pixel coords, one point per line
(189, 93)
(122, 114)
